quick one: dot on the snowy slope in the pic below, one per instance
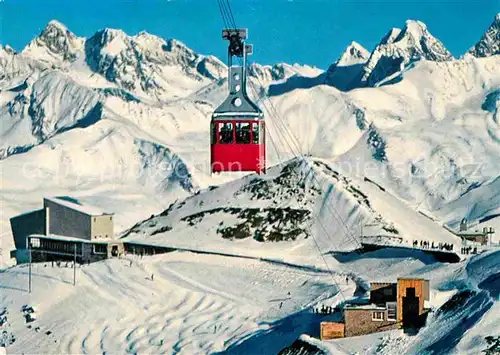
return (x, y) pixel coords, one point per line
(480, 207)
(259, 217)
(112, 161)
(202, 304)
(431, 139)
(53, 103)
(428, 138)
(195, 305)
(464, 303)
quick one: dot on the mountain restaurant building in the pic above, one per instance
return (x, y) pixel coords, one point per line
(62, 223)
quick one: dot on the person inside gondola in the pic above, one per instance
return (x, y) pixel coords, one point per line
(226, 133)
(242, 133)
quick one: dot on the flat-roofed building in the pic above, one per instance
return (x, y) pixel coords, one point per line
(56, 247)
(66, 217)
(69, 217)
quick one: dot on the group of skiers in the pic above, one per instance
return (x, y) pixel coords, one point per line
(427, 245)
(326, 310)
(467, 250)
(442, 246)
(60, 264)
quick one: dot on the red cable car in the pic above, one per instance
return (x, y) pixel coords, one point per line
(237, 126)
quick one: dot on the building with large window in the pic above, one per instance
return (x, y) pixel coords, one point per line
(49, 247)
(68, 221)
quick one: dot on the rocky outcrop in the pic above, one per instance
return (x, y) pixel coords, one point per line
(490, 42)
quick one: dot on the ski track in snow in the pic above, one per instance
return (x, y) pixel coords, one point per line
(182, 323)
(204, 304)
(118, 309)
(183, 326)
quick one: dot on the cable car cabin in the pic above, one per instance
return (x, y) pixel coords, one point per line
(238, 145)
(237, 126)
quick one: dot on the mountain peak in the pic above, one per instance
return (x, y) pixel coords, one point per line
(274, 72)
(56, 24)
(397, 49)
(345, 73)
(8, 49)
(490, 42)
(174, 44)
(113, 31)
(391, 36)
(355, 53)
(355, 44)
(55, 29)
(137, 63)
(144, 33)
(109, 41)
(107, 35)
(415, 28)
(55, 42)
(415, 23)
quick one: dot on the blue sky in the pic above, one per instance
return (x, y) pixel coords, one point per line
(311, 32)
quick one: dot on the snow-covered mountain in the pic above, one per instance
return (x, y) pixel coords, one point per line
(7, 49)
(122, 122)
(79, 115)
(397, 50)
(145, 64)
(14, 68)
(281, 71)
(355, 53)
(36, 112)
(55, 44)
(400, 48)
(490, 42)
(305, 205)
(345, 74)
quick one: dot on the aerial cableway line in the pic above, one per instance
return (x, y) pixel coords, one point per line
(229, 22)
(282, 130)
(237, 138)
